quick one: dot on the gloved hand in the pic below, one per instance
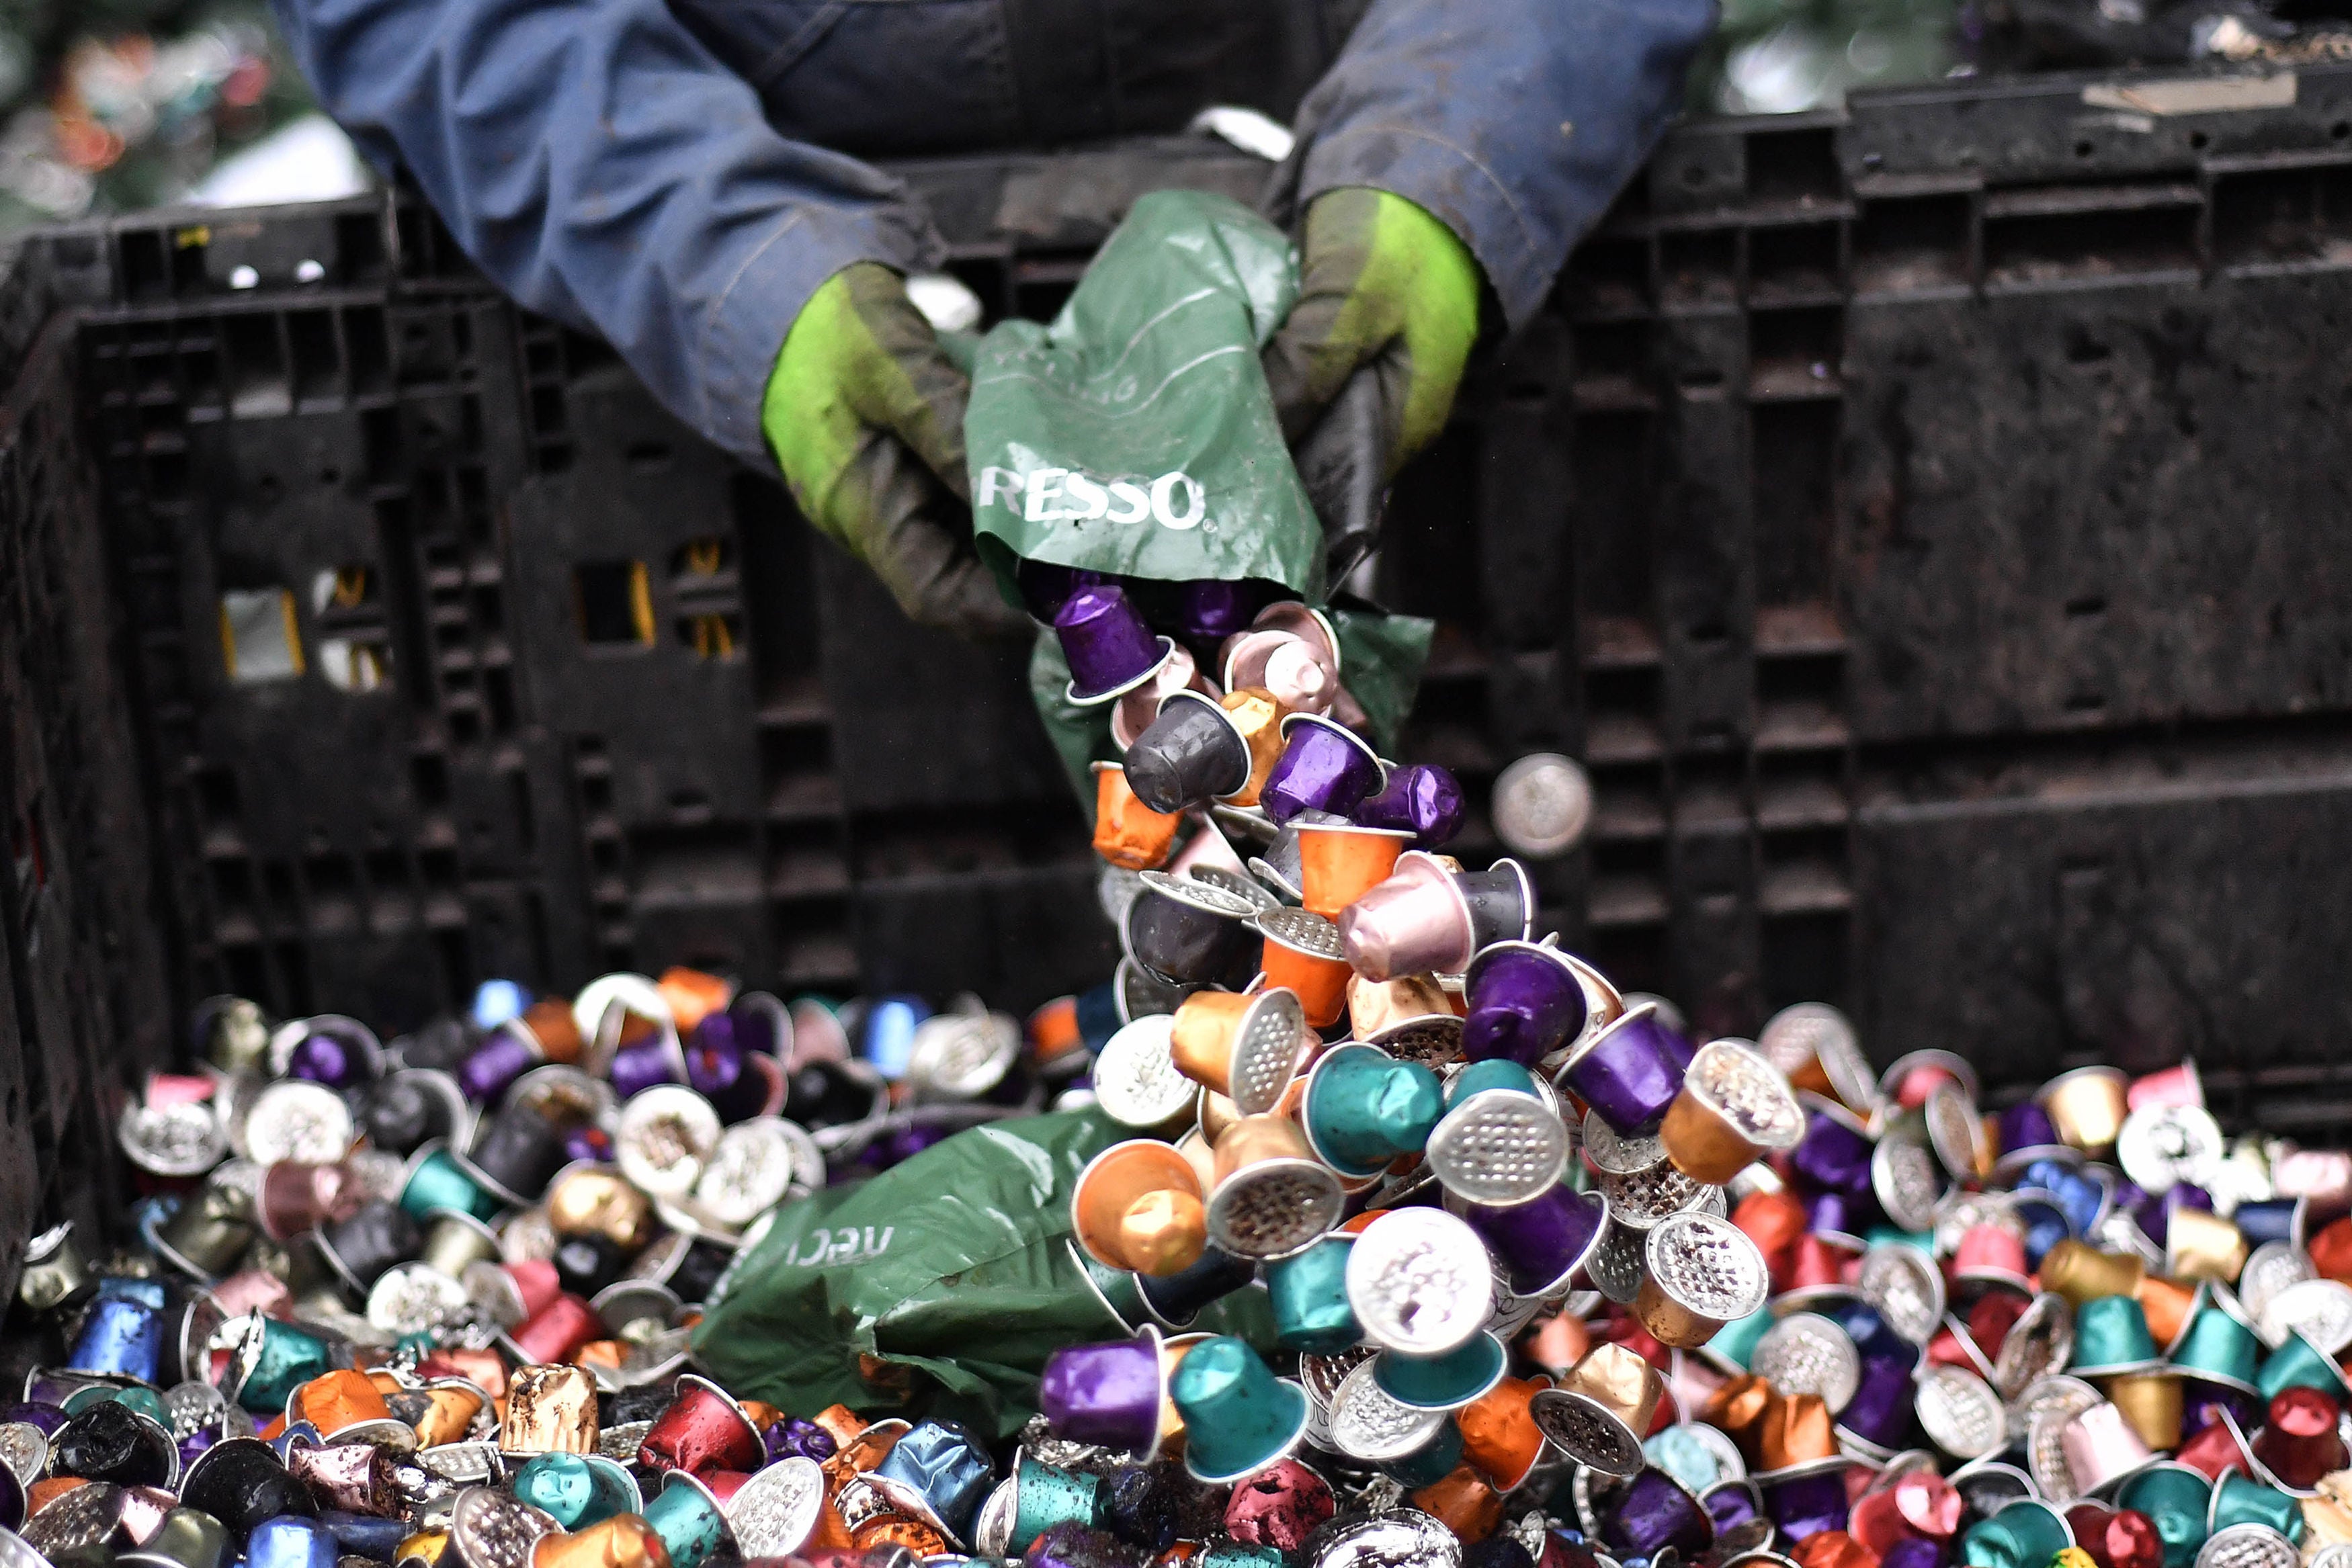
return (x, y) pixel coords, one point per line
(1386, 285)
(865, 413)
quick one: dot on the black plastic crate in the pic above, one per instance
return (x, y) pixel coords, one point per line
(1921, 521)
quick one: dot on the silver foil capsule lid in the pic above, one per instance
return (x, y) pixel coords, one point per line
(1641, 1201)
(2039, 1343)
(1960, 1413)
(1908, 1180)
(1420, 1282)
(1904, 1286)
(2270, 1268)
(490, 1529)
(667, 1134)
(1499, 1147)
(1708, 1266)
(296, 1119)
(1822, 1032)
(754, 1166)
(414, 1298)
(2248, 1546)
(1134, 1076)
(1366, 1424)
(1402, 1537)
(1955, 1131)
(1587, 1431)
(2160, 1146)
(1541, 805)
(2318, 1310)
(774, 1512)
(1616, 1155)
(1805, 1353)
(182, 1139)
(1266, 1049)
(1275, 1209)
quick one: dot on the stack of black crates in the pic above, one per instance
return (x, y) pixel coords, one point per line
(1930, 525)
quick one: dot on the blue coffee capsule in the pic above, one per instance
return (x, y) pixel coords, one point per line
(692, 1524)
(941, 1470)
(1363, 1108)
(1432, 1461)
(1046, 1495)
(289, 1541)
(275, 1360)
(2273, 1219)
(495, 1002)
(146, 1293)
(1445, 1381)
(365, 1535)
(121, 1338)
(1309, 1296)
(1175, 1299)
(578, 1490)
(889, 1043)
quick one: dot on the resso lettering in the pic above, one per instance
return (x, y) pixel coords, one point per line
(1067, 495)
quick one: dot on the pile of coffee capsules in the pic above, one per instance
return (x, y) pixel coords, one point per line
(1521, 1273)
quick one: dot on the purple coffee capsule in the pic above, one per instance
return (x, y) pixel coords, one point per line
(1421, 800)
(1525, 1002)
(1833, 1156)
(1654, 1512)
(1627, 1074)
(1209, 610)
(496, 1063)
(718, 1068)
(1324, 766)
(1046, 586)
(1109, 649)
(1541, 1243)
(1807, 1500)
(639, 1067)
(1880, 1410)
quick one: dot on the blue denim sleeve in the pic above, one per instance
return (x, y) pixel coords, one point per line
(605, 168)
(1515, 121)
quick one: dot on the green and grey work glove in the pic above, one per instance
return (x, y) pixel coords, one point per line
(1385, 285)
(865, 413)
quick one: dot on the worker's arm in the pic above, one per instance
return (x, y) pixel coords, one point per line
(1457, 144)
(605, 168)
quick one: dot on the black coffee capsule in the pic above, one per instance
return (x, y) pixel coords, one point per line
(111, 1442)
(242, 1481)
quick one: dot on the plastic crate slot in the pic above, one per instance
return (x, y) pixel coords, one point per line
(1912, 242)
(1628, 802)
(1804, 957)
(2025, 245)
(316, 358)
(1794, 264)
(261, 639)
(2283, 214)
(259, 384)
(612, 603)
(1606, 278)
(1786, 165)
(1699, 266)
(1794, 354)
(1610, 457)
(1799, 793)
(1800, 703)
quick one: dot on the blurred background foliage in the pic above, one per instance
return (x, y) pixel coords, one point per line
(112, 105)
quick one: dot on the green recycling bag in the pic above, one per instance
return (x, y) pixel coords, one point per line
(954, 1264)
(1135, 434)
(1136, 437)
